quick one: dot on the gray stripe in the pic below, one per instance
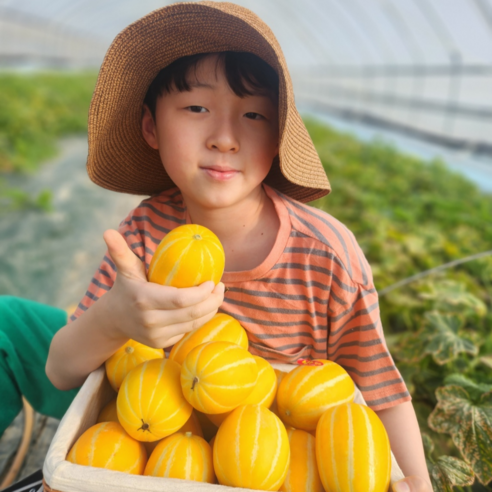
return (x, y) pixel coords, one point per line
(134, 246)
(386, 399)
(383, 384)
(142, 233)
(264, 322)
(279, 295)
(172, 205)
(105, 273)
(352, 330)
(146, 219)
(361, 263)
(372, 358)
(81, 306)
(265, 336)
(162, 214)
(316, 252)
(366, 374)
(361, 295)
(358, 343)
(356, 315)
(316, 268)
(275, 310)
(99, 284)
(307, 210)
(294, 233)
(294, 281)
(108, 260)
(286, 347)
(90, 295)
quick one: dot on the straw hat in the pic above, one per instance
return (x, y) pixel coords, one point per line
(119, 158)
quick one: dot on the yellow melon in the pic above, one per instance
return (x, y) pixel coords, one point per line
(107, 445)
(192, 425)
(108, 413)
(353, 450)
(150, 402)
(184, 456)
(263, 393)
(251, 449)
(187, 256)
(217, 376)
(302, 475)
(309, 390)
(221, 327)
(126, 358)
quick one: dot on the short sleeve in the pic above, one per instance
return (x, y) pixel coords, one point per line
(356, 342)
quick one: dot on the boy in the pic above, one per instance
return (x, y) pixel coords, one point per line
(194, 106)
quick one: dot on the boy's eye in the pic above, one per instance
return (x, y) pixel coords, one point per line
(197, 109)
(254, 116)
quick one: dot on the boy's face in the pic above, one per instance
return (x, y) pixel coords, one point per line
(216, 146)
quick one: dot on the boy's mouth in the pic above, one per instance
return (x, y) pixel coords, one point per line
(220, 173)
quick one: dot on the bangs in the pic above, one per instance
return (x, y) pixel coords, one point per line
(246, 74)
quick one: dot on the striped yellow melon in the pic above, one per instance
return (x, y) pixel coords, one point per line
(184, 456)
(108, 413)
(187, 256)
(251, 449)
(353, 450)
(308, 391)
(263, 393)
(107, 445)
(221, 327)
(126, 358)
(150, 402)
(217, 376)
(192, 425)
(302, 475)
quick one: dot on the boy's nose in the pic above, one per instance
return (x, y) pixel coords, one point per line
(223, 137)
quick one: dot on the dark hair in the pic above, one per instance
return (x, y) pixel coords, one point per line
(246, 74)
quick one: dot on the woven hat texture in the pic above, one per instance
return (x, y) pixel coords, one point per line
(119, 158)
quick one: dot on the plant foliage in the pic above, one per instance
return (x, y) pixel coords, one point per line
(410, 216)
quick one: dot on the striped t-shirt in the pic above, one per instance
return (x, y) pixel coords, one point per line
(312, 297)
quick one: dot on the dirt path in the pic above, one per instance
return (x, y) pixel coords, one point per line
(51, 257)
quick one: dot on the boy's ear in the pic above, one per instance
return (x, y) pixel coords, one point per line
(148, 128)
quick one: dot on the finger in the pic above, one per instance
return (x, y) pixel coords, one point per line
(171, 298)
(161, 318)
(412, 483)
(126, 261)
(171, 334)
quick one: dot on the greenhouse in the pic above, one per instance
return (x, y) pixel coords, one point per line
(391, 99)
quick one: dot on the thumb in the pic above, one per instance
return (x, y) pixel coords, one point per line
(127, 262)
(412, 483)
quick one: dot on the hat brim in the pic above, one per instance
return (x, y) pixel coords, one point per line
(119, 159)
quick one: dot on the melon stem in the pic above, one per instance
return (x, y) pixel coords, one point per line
(195, 380)
(197, 236)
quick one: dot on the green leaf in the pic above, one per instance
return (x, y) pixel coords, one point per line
(447, 472)
(469, 424)
(474, 389)
(445, 343)
(452, 296)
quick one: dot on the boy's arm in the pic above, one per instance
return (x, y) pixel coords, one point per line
(403, 431)
(152, 314)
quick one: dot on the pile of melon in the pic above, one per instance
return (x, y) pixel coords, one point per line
(213, 412)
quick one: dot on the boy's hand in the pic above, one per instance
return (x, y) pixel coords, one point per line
(412, 483)
(153, 314)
